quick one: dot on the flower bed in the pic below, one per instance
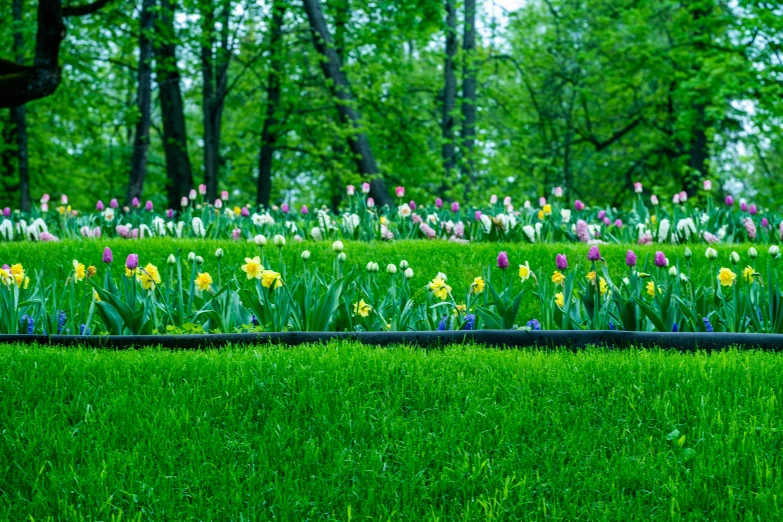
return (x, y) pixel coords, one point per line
(266, 291)
(643, 222)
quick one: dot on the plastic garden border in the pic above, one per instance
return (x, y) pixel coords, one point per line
(574, 340)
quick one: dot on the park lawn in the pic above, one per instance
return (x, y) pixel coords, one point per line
(460, 262)
(348, 432)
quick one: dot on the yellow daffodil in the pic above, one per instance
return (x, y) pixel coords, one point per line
(362, 309)
(26, 283)
(271, 279)
(91, 271)
(253, 267)
(591, 276)
(149, 277)
(560, 299)
(384, 221)
(17, 274)
(558, 278)
(748, 273)
(459, 308)
(602, 284)
(478, 285)
(547, 209)
(237, 211)
(5, 277)
(203, 281)
(96, 297)
(540, 215)
(129, 272)
(653, 219)
(524, 271)
(726, 277)
(439, 288)
(78, 271)
(651, 288)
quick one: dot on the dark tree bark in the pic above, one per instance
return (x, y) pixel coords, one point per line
(175, 140)
(141, 138)
(341, 91)
(469, 91)
(269, 132)
(20, 84)
(19, 117)
(449, 90)
(214, 71)
(698, 153)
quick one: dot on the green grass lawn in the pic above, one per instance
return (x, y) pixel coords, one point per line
(345, 432)
(460, 262)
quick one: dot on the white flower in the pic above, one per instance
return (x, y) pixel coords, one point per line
(172, 260)
(198, 227)
(260, 240)
(159, 225)
(279, 240)
(530, 232)
(391, 269)
(338, 246)
(350, 221)
(774, 251)
(686, 226)
(711, 254)
(7, 230)
(315, 233)
(408, 273)
(108, 214)
(663, 230)
(441, 275)
(219, 253)
(486, 222)
(180, 227)
(722, 232)
(144, 231)
(404, 210)
(539, 226)
(565, 214)
(324, 219)
(432, 218)
(704, 218)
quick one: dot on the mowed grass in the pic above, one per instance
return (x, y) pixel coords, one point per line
(461, 263)
(346, 432)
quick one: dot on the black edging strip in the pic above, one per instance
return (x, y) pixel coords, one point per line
(574, 340)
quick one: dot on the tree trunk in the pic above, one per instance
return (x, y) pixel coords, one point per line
(141, 139)
(175, 141)
(469, 91)
(214, 69)
(341, 91)
(699, 153)
(269, 132)
(19, 117)
(449, 90)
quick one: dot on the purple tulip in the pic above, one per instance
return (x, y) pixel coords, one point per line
(744, 206)
(729, 200)
(6, 211)
(660, 259)
(618, 223)
(753, 209)
(593, 254)
(135, 202)
(602, 214)
(107, 255)
(412, 205)
(132, 262)
(438, 202)
(764, 222)
(502, 260)
(478, 215)
(561, 261)
(630, 258)
(304, 209)
(170, 213)
(607, 221)
(455, 207)
(99, 206)
(113, 203)
(578, 205)
(284, 207)
(148, 206)
(246, 213)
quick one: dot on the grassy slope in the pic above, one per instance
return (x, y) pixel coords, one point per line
(460, 262)
(348, 432)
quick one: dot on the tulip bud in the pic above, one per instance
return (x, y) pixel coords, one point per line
(279, 241)
(688, 254)
(199, 260)
(403, 265)
(408, 273)
(711, 254)
(305, 255)
(107, 255)
(753, 253)
(260, 240)
(219, 253)
(774, 251)
(337, 246)
(342, 257)
(191, 257)
(171, 259)
(371, 267)
(673, 271)
(391, 269)
(734, 258)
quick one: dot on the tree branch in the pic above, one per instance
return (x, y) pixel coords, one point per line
(85, 9)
